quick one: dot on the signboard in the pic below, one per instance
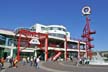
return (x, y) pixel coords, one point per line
(86, 10)
(34, 41)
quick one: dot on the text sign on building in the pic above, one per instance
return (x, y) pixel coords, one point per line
(34, 41)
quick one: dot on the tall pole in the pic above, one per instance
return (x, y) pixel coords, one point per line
(46, 48)
(78, 49)
(18, 51)
(65, 46)
(87, 31)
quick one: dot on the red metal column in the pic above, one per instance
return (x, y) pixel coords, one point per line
(18, 51)
(86, 50)
(57, 55)
(46, 48)
(78, 50)
(65, 46)
(87, 37)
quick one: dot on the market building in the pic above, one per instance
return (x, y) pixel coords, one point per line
(51, 42)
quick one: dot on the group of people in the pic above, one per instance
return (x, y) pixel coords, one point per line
(84, 60)
(32, 60)
(81, 60)
(13, 62)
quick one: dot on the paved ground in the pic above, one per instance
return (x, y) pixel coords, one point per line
(25, 68)
(57, 67)
(69, 67)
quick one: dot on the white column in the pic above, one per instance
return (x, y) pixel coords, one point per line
(11, 53)
(35, 54)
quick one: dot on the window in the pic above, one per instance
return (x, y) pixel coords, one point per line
(43, 28)
(33, 29)
(2, 40)
(64, 30)
(60, 29)
(2, 37)
(57, 28)
(57, 35)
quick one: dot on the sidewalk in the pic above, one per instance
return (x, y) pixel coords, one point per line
(54, 67)
(50, 69)
(6, 65)
(42, 68)
(25, 68)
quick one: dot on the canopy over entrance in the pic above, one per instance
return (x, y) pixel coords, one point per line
(28, 39)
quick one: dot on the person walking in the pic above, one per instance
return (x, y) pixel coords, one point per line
(37, 62)
(28, 59)
(24, 61)
(11, 62)
(15, 62)
(31, 61)
(2, 61)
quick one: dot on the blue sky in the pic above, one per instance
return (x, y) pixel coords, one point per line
(25, 13)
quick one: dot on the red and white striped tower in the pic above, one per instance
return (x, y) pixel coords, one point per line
(87, 31)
